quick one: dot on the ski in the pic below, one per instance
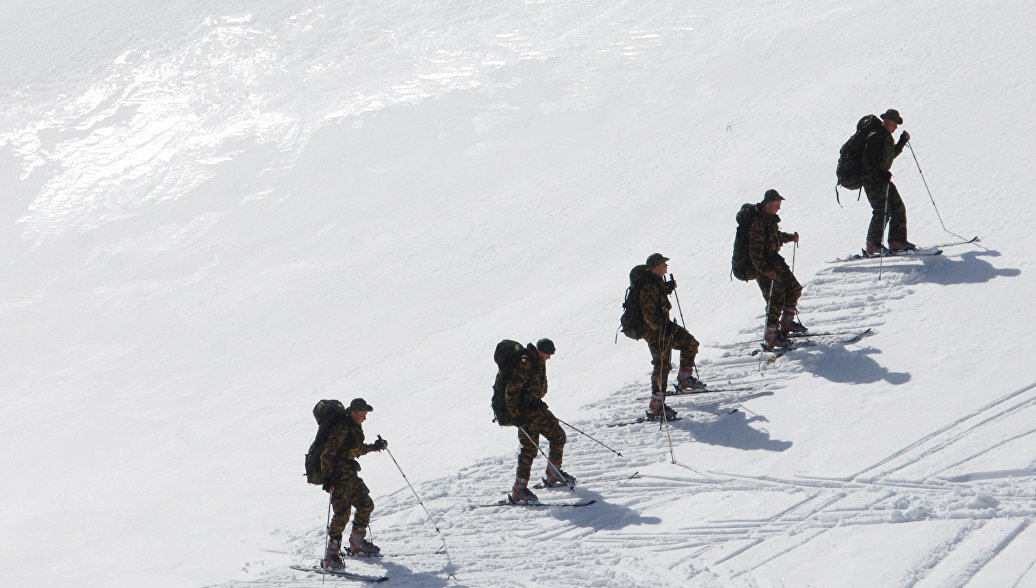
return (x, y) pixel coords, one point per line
(341, 574)
(929, 251)
(622, 478)
(506, 502)
(715, 390)
(806, 341)
(641, 420)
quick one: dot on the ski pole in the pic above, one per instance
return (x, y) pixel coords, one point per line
(589, 437)
(327, 542)
(884, 227)
(407, 480)
(419, 501)
(766, 319)
(678, 307)
(793, 252)
(930, 193)
(557, 471)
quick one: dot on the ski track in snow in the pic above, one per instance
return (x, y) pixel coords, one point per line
(511, 546)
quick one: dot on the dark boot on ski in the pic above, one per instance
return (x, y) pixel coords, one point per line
(789, 324)
(520, 493)
(897, 246)
(656, 407)
(557, 477)
(333, 555)
(875, 249)
(686, 382)
(775, 339)
(358, 544)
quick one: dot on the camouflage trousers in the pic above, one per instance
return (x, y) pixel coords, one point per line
(662, 343)
(896, 216)
(786, 292)
(536, 422)
(349, 492)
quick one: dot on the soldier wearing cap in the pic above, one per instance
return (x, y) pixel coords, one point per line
(780, 288)
(524, 394)
(339, 468)
(663, 336)
(879, 151)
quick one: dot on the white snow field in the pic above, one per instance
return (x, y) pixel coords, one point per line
(217, 213)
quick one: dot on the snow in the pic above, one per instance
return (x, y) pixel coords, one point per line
(216, 215)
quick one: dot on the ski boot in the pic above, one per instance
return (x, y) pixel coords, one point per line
(875, 249)
(333, 555)
(520, 493)
(358, 544)
(789, 325)
(654, 411)
(775, 339)
(897, 246)
(686, 382)
(557, 477)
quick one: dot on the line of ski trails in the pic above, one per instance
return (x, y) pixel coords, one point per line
(627, 470)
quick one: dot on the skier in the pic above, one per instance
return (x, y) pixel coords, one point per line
(780, 288)
(878, 153)
(524, 396)
(339, 467)
(663, 335)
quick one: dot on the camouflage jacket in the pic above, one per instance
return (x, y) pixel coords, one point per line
(528, 383)
(879, 150)
(343, 446)
(764, 242)
(654, 302)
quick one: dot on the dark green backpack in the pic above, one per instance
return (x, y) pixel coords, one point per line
(850, 156)
(740, 265)
(506, 356)
(327, 413)
(632, 320)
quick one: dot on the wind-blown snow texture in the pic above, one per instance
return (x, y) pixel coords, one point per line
(217, 214)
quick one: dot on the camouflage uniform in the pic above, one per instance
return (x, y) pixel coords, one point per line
(524, 394)
(663, 335)
(764, 245)
(339, 467)
(879, 151)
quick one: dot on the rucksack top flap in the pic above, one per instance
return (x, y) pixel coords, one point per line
(506, 352)
(746, 213)
(328, 411)
(639, 273)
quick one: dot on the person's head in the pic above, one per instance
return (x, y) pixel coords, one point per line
(657, 264)
(891, 120)
(771, 201)
(358, 410)
(545, 348)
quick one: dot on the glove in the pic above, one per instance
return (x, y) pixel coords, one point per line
(380, 444)
(328, 486)
(671, 285)
(885, 176)
(904, 137)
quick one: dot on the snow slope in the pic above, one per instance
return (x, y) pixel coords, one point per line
(217, 215)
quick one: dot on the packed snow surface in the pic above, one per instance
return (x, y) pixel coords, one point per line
(216, 214)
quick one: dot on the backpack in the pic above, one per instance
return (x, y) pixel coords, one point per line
(506, 356)
(327, 413)
(740, 265)
(850, 156)
(632, 320)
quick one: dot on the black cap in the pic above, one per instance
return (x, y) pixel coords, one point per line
(655, 259)
(771, 195)
(360, 404)
(546, 346)
(893, 115)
